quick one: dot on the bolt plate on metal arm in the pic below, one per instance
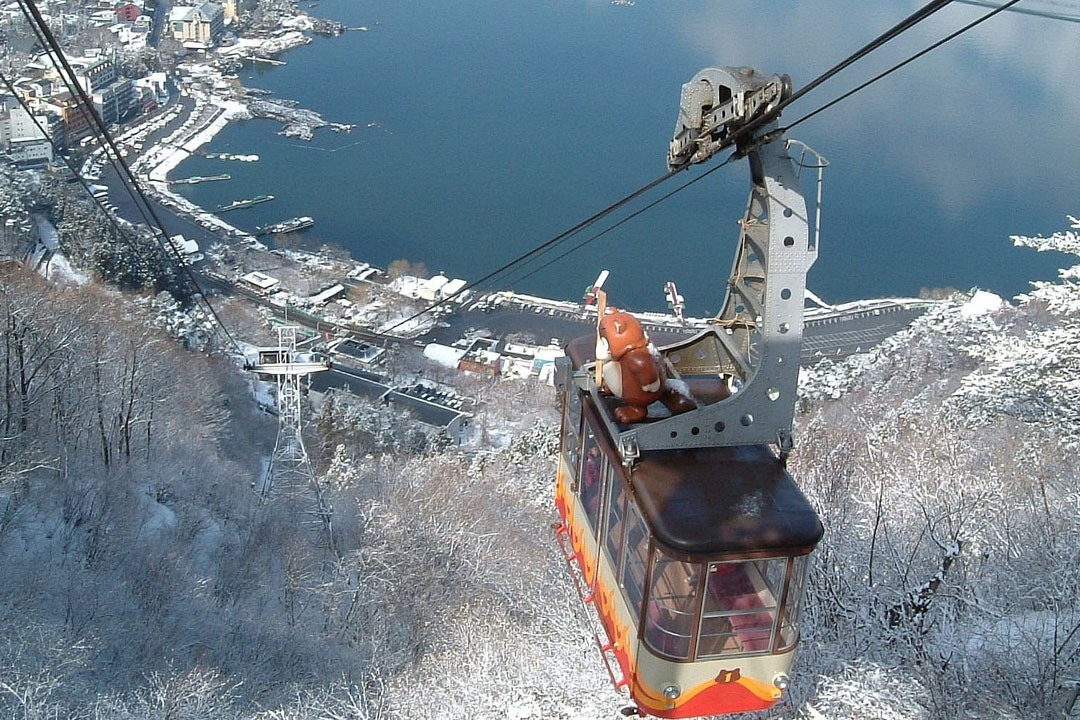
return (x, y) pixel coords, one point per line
(754, 344)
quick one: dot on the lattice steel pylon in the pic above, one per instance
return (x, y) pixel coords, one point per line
(290, 472)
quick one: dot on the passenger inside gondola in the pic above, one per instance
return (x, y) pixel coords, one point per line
(740, 607)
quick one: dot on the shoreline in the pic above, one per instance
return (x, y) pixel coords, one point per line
(218, 97)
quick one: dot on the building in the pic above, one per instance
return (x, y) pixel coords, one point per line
(199, 26)
(440, 287)
(259, 282)
(353, 351)
(128, 13)
(101, 18)
(181, 244)
(114, 101)
(482, 359)
(157, 84)
(92, 73)
(113, 96)
(30, 150)
(132, 36)
(235, 8)
(21, 137)
(74, 116)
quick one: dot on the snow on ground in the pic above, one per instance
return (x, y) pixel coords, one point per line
(404, 325)
(1025, 365)
(59, 268)
(981, 303)
(47, 232)
(262, 47)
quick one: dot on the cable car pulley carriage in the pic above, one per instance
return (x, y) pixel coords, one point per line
(686, 533)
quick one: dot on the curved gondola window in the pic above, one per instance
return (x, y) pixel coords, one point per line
(571, 442)
(636, 555)
(789, 625)
(616, 520)
(741, 600)
(592, 473)
(672, 607)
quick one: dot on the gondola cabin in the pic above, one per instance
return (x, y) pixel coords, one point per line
(686, 533)
(694, 560)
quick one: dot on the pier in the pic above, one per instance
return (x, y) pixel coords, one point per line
(268, 61)
(240, 204)
(196, 179)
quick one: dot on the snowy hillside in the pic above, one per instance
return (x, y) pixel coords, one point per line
(143, 579)
(944, 465)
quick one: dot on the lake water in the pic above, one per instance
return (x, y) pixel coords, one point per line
(498, 124)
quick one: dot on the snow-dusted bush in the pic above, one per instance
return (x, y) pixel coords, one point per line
(143, 579)
(943, 464)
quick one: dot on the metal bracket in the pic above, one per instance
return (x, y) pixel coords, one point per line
(714, 103)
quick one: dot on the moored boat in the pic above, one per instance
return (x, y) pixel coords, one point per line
(286, 226)
(238, 204)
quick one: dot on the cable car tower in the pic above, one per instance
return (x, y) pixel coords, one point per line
(290, 470)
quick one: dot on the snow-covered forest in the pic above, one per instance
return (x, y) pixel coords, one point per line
(131, 259)
(141, 578)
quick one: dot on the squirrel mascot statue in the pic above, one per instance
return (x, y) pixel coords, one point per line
(633, 370)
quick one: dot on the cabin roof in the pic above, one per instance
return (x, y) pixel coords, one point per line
(723, 500)
(717, 500)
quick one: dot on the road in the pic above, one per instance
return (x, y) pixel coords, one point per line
(125, 206)
(836, 335)
(161, 13)
(846, 333)
(370, 386)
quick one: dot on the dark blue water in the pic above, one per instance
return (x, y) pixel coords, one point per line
(501, 123)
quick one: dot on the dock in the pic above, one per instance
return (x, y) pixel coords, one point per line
(268, 61)
(240, 204)
(196, 179)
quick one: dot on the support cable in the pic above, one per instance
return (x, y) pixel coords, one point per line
(786, 128)
(890, 34)
(87, 108)
(899, 65)
(626, 219)
(896, 30)
(539, 248)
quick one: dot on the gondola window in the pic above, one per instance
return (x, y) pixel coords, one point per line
(741, 600)
(636, 556)
(672, 611)
(593, 468)
(789, 627)
(571, 440)
(615, 520)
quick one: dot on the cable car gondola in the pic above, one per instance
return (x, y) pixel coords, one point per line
(686, 533)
